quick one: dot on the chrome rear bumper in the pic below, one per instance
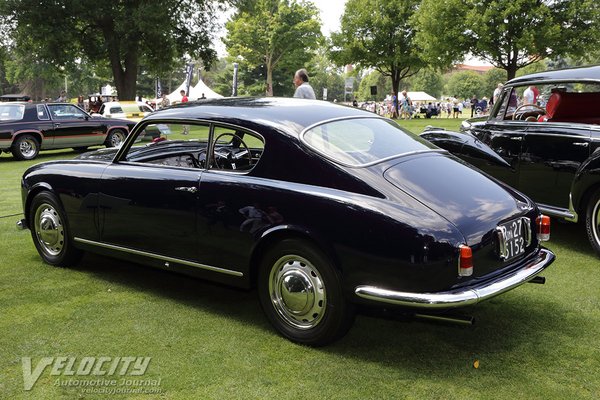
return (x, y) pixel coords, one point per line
(461, 297)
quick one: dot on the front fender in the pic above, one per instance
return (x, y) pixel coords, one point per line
(465, 146)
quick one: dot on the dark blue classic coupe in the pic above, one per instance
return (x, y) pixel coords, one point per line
(322, 208)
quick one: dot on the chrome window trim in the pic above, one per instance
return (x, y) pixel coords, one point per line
(160, 257)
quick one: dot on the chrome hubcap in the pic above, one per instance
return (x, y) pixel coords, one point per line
(27, 148)
(297, 292)
(596, 222)
(116, 139)
(49, 229)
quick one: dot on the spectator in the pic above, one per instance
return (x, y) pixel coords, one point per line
(474, 102)
(303, 88)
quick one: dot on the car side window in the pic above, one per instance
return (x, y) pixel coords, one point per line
(235, 149)
(171, 144)
(66, 111)
(505, 101)
(42, 113)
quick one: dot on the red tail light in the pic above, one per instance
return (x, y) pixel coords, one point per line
(465, 261)
(543, 227)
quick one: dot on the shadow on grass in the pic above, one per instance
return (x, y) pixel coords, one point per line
(506, 324)
(571, 236)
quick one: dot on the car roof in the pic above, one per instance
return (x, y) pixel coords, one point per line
(580, 74)
(287, 114)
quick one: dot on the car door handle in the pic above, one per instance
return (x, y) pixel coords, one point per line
(56, 124)
(190, 189)
(516, 138)
(583, 144)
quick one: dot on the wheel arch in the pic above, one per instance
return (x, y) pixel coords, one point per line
(275, 235)
(37, 135)
(586, 182)
(37, 188)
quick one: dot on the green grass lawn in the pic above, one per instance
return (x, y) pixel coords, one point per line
(209, 341)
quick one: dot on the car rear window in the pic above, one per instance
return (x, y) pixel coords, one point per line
(11, 112)
(362, 141)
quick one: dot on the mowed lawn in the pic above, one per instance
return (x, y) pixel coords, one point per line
(209, 341)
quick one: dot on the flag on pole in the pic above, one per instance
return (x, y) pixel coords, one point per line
(188, 78)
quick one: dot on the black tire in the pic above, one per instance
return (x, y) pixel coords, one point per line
(25, 147)
(50, 231)
(115, 138)
(300, 291)
(592, 221)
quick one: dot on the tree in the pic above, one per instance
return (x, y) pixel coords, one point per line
(381, 35)
(491, 79)
(464, 84)
(510, 34)
(427, 80)
(124, 34)
(374, 78)
(275, 35)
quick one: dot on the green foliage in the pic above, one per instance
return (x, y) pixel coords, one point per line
(374, 78)
(465, 84)
(122, 34)
(491, 79)
(427, 80)
(510, 34)
(381, 35)
(276, 36)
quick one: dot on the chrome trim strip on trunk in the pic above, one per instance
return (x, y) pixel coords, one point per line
(160, 257)
(460, 297)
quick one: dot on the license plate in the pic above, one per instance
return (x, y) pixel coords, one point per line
(513, 237)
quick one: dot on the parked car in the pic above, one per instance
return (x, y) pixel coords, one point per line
(27, 128)
(322, 207)
(547, 149)
(131, 110)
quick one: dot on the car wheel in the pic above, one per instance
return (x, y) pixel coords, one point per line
(115, 138)
(25, 147)
(592, 221)
(301, 293)
(50, 231)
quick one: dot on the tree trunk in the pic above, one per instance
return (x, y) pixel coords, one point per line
(269, 80)
(125, 75)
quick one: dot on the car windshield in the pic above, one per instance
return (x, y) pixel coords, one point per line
(363, 141)
(11, 112)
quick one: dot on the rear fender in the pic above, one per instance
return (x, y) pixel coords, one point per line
(465, 146)
(587, 179)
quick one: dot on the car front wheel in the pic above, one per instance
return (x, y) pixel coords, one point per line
(50, 231)
(592, 221)
(115, 138)
(25, 147)
(301, 293)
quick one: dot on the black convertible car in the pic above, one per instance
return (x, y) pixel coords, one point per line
(321, 207)
(26, 128)
(542, 138)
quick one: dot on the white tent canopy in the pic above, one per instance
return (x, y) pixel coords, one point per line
(195, 92)
(418, 96)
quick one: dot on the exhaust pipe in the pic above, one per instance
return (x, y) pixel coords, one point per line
(538, 279)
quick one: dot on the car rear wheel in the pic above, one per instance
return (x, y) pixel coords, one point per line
(592, 221)
(50, 231)
(115, 138)
(301, 293)
(25, 147)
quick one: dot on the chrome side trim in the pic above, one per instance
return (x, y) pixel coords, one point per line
(160, 257)
(459, 298)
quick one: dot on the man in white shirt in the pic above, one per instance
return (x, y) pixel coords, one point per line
(528, 96)
(303, 89)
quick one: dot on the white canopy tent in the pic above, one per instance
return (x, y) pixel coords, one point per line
(418, 96)
(195, 92)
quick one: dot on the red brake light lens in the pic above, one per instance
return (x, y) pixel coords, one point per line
(465, 261)
(543, 227)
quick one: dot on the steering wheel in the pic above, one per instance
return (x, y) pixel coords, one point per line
(230, 156)
(542, 110)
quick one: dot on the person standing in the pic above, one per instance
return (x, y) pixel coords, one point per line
(184, 99)
(496, 93)
(528, 96)
(165, 102)
(474, 102)
(303, 88)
